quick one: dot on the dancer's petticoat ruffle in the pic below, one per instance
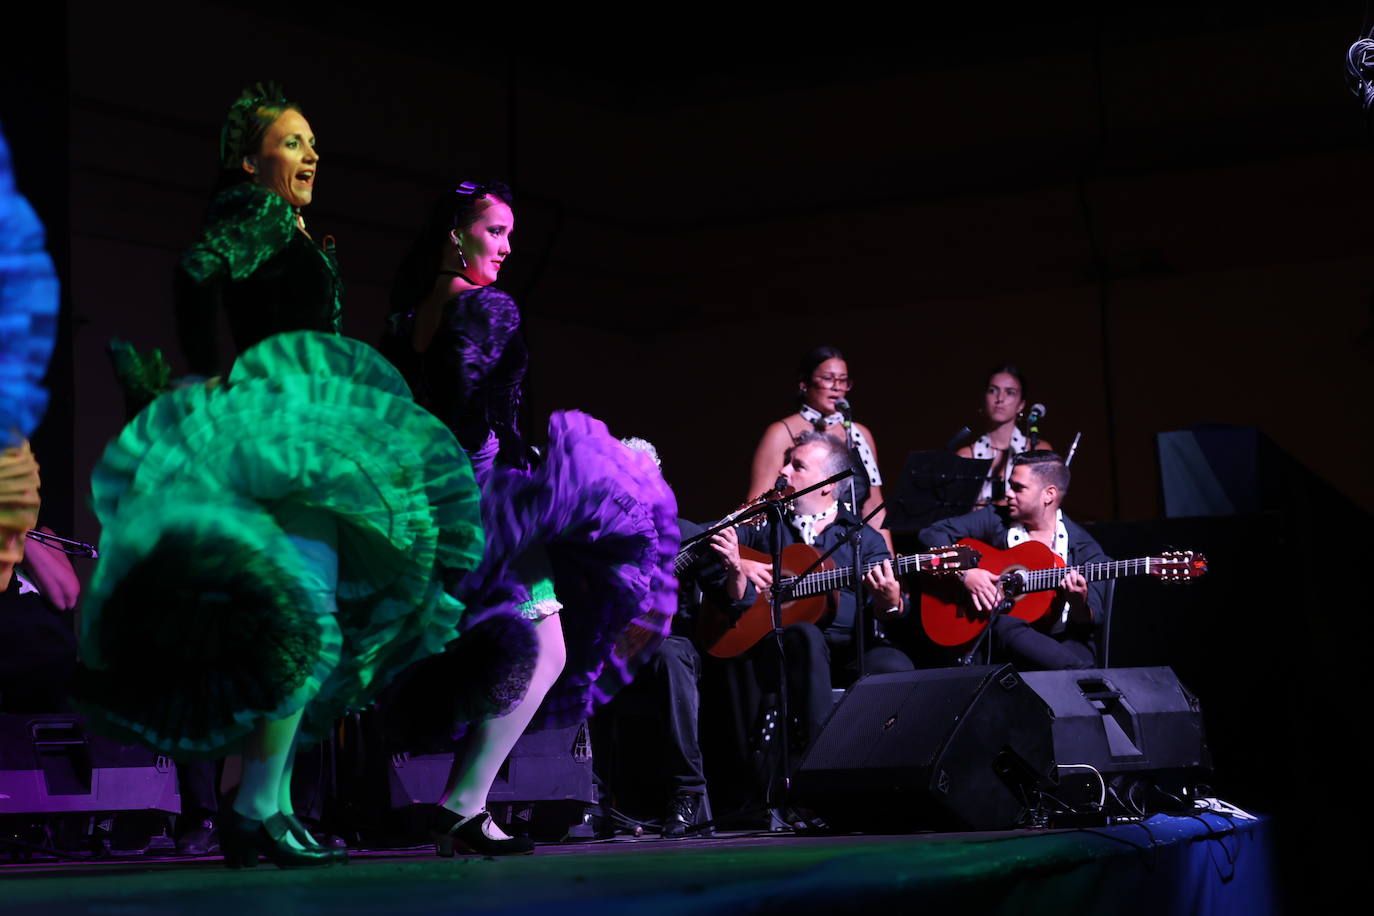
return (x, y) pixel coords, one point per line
(608, 524)
(197, 622)
(28, 311)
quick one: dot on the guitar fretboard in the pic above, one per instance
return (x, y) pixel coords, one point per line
(1041, 579)
(828, 580)
(687, 556)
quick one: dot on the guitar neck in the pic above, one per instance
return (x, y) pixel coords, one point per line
(828, 580)
(1042, 579)
(686, 557)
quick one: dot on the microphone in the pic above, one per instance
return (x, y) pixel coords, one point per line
(68, 546)
(1037, 413)
(846, 411)
(780, 484)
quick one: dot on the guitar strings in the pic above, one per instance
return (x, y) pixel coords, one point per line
(828, 580)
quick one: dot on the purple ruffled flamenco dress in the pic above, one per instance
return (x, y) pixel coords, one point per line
(589, 526)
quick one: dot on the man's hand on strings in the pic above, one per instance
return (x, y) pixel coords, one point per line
(983, 589)
(886, 590)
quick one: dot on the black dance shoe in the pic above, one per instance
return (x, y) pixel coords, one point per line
(455, 833)
(243, 839)
(682, 815)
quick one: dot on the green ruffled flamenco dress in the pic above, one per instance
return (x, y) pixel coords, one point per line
(203, 616)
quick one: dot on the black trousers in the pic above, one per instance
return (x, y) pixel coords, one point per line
(1030, 650)
(196, 781)
(815, 664)
(672, 677)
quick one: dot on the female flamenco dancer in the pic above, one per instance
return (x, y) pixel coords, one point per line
(254, 256)
(822, 381)
(273, 541)
(1004, 403)
(580, 540)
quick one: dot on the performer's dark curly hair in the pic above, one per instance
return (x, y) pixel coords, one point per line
(1359, 72)
(458, 208)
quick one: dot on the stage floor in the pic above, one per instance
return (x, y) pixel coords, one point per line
(1203, 864)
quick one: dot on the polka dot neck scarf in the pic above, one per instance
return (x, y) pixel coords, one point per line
(806, 524)
(821, 422)
(983, 449)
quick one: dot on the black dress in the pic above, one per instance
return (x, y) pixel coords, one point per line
(589, 529)
(277, 541)
(268, 276)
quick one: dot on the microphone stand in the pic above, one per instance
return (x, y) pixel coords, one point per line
(856, 572)
(1072, 449)
(1005, 605)
(848, 413)
(860, 620)
(860, 623)
(761, 508)
(969, 657)
(957, 439)
(779, 782)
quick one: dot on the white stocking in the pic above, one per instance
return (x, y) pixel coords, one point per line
(480, 752)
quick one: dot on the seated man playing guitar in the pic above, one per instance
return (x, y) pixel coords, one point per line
(740, 619)
(818, 655)
(1039, 481)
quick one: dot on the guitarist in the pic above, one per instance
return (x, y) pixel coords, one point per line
(817, 657)
(1035, 492)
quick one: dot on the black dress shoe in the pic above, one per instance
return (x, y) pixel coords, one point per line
(454, 833)
(682, 814)
(200, 840)
(244, 839)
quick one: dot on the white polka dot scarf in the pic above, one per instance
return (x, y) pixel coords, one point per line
(856, 436)
(806, 524)
(983, 449)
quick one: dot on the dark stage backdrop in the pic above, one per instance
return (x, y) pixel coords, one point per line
(1160, 226)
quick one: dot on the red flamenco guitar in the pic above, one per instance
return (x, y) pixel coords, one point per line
(1029, 573)
(810, 598)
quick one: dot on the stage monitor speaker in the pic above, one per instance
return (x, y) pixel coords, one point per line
(948, 748)
(1125, 720)
(51, 764)
(551, 765)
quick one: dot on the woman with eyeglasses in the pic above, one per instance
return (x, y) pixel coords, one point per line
(822, 383)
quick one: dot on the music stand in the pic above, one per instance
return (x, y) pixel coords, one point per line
(935, 486)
